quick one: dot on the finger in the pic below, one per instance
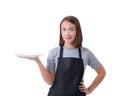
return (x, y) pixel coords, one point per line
(81, 83)
(81, 87)
(82, 90)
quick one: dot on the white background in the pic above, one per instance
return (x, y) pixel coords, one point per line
(33, 26)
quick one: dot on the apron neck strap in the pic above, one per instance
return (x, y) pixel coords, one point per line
(79, 49)
(61, 52)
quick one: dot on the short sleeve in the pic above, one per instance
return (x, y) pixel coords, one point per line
(93, 61)
(50, 62)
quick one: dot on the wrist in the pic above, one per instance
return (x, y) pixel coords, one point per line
(37, 60)
(89, 90)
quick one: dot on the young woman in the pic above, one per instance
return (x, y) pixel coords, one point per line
(67, 62)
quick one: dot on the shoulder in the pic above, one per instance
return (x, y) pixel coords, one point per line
(84, 49)
(54, 51)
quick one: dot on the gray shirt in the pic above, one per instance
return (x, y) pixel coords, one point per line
(87, 56)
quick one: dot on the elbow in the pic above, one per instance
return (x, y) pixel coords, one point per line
(50, 78)
(49, 83)
(104, 73)
(101, 71)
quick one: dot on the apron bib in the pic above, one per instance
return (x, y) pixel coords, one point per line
(68, 76)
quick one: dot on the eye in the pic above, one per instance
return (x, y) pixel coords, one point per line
(72, 29)
(63, 29)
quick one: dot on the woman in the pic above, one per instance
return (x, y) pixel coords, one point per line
(67, 62)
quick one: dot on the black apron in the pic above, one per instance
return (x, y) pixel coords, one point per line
(68, 76)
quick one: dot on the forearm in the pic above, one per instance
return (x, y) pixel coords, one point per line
(47, 76)
(96, 82)
(101, 74)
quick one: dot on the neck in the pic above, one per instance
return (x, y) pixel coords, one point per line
(69, 45)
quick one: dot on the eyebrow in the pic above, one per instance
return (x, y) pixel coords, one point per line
(70, 27)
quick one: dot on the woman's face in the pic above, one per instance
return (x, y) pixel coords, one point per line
(68, 31)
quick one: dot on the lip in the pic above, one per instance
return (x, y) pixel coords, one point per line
(68, 38)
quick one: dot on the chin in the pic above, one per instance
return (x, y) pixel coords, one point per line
(69, 42)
